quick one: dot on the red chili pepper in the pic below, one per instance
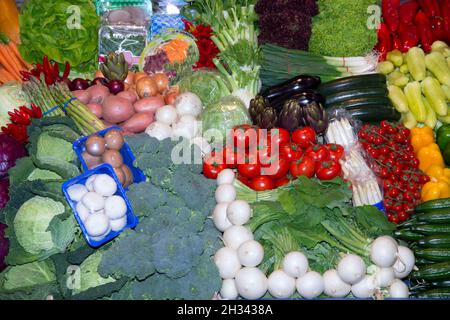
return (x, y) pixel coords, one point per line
(425, 31)
(430, 7)
(408, 11)
(66, 71)
(47, 67)
(384, 41)
(445, 14)
(391, 13)
(55, 70)
(409, 35)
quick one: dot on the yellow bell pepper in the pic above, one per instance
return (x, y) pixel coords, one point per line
(435, 190)
(430, 155)
(435, 172)
(421, 137)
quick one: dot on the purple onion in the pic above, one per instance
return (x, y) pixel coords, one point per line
(115, 86)
(79, 84)
(99, 80)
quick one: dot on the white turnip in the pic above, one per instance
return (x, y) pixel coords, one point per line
(398, 290)
(405, 262)
(188, 104)
(220, 218)
(225, 193)
(295, 264)
(235, 236)
(281, 285)
(365, 288)
(310, 285)
(383, 252)
(384, 277)
(228, 290)
(158, 130)
(351, 269)
(227, 262)
(250, 253)
(251, 283)
(166, 114)
(334, 286)
(226, 176)
(239, 212)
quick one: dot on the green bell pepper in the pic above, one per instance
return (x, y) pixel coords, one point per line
(443, 136)
(446, 154)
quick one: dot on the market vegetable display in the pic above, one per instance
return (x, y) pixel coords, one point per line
(42, 34)
(11, 62)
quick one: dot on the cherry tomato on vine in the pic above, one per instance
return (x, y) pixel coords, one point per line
(304, 137)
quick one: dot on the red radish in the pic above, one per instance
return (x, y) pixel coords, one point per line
(138, 123)
(150, 104)
(96, 109)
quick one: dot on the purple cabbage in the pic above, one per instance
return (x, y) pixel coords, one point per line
(4, 246)
(155, 63)
(10, 151)
(4, 195)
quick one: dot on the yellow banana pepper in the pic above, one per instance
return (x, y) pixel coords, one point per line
(421, 137)
(435, 190)
(430, 155)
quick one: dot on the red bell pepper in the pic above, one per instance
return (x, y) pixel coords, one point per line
(437, 25)
(430, 7)
(409, 36)
(397, 43)
(391, 14)
(425, 31)
(408, 11)
(384, 41)
(445, 14)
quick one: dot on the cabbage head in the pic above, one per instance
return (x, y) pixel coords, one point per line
(209, 86)
(51, 149)
(89, 276)
(41, 174)
(32, 221)
(29, 275)
(224, 116)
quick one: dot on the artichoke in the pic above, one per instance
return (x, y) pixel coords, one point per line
(262, 114)
(115, 67)
(316, 117)
(291, 116)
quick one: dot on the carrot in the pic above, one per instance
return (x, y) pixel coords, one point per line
(176, 50)
(12, 45)
(8, 61)
(5, 76)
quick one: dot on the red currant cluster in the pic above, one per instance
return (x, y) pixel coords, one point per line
(396, 164)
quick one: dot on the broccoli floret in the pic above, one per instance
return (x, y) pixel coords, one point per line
(162, 178)
(175, 256)
(210, 236)
(130, 257)
(145, 198)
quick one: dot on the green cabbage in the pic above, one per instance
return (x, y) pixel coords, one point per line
(39, 174)
(223, 116)
(29, 275)
(32, 221)
(89, 276)
(209, 86)
(11, 97)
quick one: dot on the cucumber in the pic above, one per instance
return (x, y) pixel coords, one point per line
(438, 293)
(362, 102)
(433, 254)
(439, 284)
(423, 262)
(408, 235)
(374, 80)
(435, 271)
(436, 216)
(352, 94)
(433, 205)
(435, 241)
(375, 114)
(431, 229)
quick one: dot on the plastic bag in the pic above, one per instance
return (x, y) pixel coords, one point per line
(341, 129)
(167, 15)
(105, 6)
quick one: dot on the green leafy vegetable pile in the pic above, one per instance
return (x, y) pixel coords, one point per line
(352, 38)
(315, 217)
(63, 30)
(167, 256)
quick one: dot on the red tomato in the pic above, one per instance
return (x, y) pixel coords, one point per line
(278, 136)
(282, 182)
(244, 180)
(336, 151)
(244, 136)
(250, 169)
(232, 158)
(303, 167)
(318, 153)
(290, 151)
(328, 170)
(304, 137)
(262, 183)
(277, 169)
(213, 165)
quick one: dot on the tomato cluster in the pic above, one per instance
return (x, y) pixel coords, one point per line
(266, 160)
(395, 163)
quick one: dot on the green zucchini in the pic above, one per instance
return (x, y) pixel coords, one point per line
(435, 241)
(436, 216)
(407, 235)
(431, 229)
(375, 114)
(352, 94)
(438, 293)
(362, 102)
(433, 205)
(373, 80)
(435, 271)
(433, 254)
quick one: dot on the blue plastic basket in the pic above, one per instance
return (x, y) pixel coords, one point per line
(127, 154)
(132, 220)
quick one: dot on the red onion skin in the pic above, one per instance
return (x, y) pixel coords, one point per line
(79, 84)
(116, 86)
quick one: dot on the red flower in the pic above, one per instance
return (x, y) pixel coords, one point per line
(207, 48)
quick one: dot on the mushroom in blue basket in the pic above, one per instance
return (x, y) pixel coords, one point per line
(97, 226)
(104, 185)
(115, 207)
(77, 192)
(114, 140)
